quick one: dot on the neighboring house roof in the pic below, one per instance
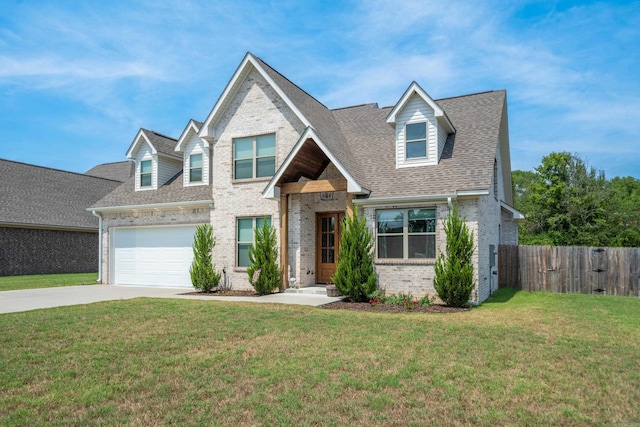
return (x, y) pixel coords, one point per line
(467, 160)
(173, 192)
(36, 196)
(118, 171)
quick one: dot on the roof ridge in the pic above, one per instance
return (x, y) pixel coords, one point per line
(356, 106)
(469, 94)
(287, 79)
(159, 134)
(57, 170)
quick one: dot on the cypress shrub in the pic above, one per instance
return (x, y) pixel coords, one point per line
(204, 276)
(355, 276)
(453, 279)
(263, 270)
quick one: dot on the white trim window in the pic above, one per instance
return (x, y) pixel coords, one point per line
(245, 233)
(415, 139)
(146, 173)
(195, 168)
(406, 233)
(254, 157)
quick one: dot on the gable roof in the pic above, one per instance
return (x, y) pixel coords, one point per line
(414, 88)
(117, 171)
(36, 196)
(159, 143)
(192, 126)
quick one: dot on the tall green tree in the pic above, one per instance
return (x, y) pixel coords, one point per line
(204, 275)
(355, 276)
(624, 206)
(565, 204)
(263, 270)
(453, 279)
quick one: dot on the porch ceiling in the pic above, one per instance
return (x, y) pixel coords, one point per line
(309, 162)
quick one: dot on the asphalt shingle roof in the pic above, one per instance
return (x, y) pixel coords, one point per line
(172, 191)
(467, 158)
(164, 144)
(118, 171)
(33, 195)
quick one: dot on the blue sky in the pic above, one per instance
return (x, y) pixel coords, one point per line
(78, 79)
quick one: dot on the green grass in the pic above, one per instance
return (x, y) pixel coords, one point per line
(520, 359)
(13, 283)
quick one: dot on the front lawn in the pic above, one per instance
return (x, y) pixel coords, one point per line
(521, 359)
(13, 283)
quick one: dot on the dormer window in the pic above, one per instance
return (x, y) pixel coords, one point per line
(416, 140)
(145, 173)
(195, 168)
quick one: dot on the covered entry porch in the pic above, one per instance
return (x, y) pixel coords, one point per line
(315, 190)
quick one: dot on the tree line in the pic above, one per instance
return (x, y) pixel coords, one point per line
(569, 203)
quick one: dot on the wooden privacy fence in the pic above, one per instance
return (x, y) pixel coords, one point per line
(570, 269)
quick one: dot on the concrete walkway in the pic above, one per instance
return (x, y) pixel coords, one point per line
(33, 299)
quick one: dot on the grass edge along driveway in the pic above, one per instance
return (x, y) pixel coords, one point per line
(16, 283)
(519, 359)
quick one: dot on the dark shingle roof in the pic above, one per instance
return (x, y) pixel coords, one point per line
(164, 144)
(467, 158)
(118, 171)
(38, 196)
(172, 191)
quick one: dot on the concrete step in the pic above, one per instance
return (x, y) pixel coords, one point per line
(313, 290)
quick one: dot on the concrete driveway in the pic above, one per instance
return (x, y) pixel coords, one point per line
(33, 299)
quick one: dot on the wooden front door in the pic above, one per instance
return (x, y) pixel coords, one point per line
(327, 245)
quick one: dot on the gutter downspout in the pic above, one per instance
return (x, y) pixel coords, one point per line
(99, 245)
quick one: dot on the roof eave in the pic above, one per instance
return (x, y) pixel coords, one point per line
(136, 141)
(191, 126)
(186, 204)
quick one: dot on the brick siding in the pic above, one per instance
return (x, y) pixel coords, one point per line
(34, 251)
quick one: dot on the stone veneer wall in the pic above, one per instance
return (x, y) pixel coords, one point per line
(36, 251)
(146, 218)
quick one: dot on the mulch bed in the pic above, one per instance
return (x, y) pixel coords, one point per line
(365, 306)
(231, 293)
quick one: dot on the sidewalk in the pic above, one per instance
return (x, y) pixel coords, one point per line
(33, 299)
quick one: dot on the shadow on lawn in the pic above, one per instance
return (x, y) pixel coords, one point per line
(501, 296)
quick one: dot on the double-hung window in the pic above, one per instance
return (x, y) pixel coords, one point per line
(145, 173)
(245, 229)
(416, 140)
(195, 168)
(406, 233)
(254, 157)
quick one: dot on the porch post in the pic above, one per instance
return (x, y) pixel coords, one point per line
(349, 204)
(284, 241)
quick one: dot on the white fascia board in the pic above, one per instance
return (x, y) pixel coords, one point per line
(230, 89)
(517, 215)
(168, 205)
(425, 198)
(191, 127)
(310, 133)
(430, 198)
(136, 141)
(472, 193)
(414, 87)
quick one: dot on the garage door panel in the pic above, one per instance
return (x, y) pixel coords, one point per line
(152, 256)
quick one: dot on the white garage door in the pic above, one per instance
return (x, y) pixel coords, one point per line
(152, 256)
